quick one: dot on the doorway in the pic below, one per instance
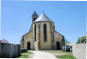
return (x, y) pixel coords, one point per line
(28, 46)
(57, 45)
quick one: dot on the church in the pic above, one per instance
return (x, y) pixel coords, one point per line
(42, 35)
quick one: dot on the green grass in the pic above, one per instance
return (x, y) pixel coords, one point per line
(61, 54)
(58, 51)
(25, 54)
(66, 57)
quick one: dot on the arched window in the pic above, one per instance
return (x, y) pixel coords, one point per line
(45, 33)
(34, 19)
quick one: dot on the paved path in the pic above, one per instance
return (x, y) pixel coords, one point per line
(42, 55)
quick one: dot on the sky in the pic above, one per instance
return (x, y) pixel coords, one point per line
(69, 18)
(0, 19)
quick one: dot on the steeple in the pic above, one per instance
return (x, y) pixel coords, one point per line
(34, 16)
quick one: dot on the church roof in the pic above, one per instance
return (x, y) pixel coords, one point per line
(42, 17)
(34, 13)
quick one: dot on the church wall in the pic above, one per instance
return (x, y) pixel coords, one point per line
(28, 38)
(52, 34)
(49, 36)
(58, 38)
(45, 45)
(22, 44)
(41, 36)
(37, 38)
(33, 36)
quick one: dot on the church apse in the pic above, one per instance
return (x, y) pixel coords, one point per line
(42, 34)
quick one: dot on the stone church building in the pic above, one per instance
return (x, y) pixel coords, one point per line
(42, 35)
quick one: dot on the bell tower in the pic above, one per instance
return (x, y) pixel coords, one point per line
(34, 16)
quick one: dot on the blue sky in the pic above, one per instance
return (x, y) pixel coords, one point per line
(69, 18)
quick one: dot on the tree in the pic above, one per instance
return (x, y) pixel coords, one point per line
(81, 40)
(66, 41)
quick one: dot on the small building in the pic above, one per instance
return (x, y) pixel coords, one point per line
(8, 50)
(3, 41)
(42, 35)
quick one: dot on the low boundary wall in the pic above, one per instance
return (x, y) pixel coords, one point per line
(79, 51)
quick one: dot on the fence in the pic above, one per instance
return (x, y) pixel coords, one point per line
(9, 50)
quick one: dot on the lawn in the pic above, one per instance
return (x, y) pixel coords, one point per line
(25, 54)
(66, 57)
(61, 54)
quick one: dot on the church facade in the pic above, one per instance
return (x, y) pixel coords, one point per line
(42, 35)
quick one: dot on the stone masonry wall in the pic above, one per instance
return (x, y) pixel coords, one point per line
(79, 51)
